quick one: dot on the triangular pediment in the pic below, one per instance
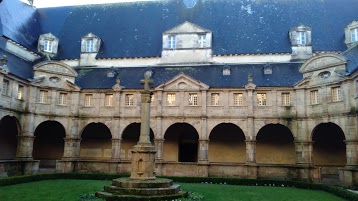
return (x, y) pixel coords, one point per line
(187, 27)
(322, 62)
(183, 82)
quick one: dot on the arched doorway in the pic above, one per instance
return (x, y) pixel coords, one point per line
(96, 142)
(274, 145)
(227, 144)
(49, 143)
(329, 148)
(9, 130)
(130, 137)
(181, 143)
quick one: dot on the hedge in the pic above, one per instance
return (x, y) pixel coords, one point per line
(338, 191)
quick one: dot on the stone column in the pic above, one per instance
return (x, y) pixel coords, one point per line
(304, 151)
(250, 151)
(24, 147)
(203, 151)
(352, 152)
(116, 149)
(158, 143)
(71, 148)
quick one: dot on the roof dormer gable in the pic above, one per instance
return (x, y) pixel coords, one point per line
(90, 43)
(187, 27)
(48, 44)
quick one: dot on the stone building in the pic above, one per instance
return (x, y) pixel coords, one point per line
(249, 89)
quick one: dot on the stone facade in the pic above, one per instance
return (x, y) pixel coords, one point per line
(306, 131)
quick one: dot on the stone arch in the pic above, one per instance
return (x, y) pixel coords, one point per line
(130, 137)
(227, 144)
(329, 148)
(275, 145)
(96, 142)
(9, 130)
(181, 143)
(49, 143)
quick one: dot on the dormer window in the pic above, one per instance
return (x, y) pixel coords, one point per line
(267, 69)
(90, 43)
(172, 42)
(351, 34)
(226, 70)
(300, 36)
(354, 35)
(202, 41)
(48, 44)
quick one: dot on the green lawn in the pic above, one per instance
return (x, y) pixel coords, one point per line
(69, 190)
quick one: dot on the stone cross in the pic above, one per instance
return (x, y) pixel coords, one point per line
(146, 82)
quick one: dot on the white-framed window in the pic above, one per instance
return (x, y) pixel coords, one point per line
(20, 92)
(286, 99)
(171, 99)
(88, 100)
(336, 94)
(108, 100)
(314, 97)
(215, 99)
(129, 98)
(193, 99)
(261, 99)
(90, 45)
(301, 38)
(172, 42)
(202, 40)
(5, 87)
(62, 98)
(48, 45)
(354, 35)
(238, 99)
(43, 96)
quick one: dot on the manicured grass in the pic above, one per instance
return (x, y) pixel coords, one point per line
(69, 190)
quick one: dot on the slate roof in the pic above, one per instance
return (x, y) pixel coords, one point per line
(20, 23)
(352, 59)
(284, 75)
(239, 27)
(17, 66)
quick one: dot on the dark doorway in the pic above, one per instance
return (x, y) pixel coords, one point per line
(49, 143)
(181, 143)
(9, 130)
(274, 145)
(96, 142)
(227, 144)
(130, 137)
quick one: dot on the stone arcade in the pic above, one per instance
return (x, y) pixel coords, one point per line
(249, 89)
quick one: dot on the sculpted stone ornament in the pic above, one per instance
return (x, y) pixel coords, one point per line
(142, 184)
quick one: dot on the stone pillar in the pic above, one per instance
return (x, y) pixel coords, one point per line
(71, 149)
(116, 149)
(24, 147)
(203, 151)
(304, 152)
(158, 143)
(250, 151)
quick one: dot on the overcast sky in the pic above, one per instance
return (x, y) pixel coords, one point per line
(54, 3)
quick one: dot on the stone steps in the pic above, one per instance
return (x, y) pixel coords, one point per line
(174, 189)
(114, 197)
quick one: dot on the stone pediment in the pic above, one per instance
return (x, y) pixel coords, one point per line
(187, 27)
(322, 62)
(53, 67)
(183, 82)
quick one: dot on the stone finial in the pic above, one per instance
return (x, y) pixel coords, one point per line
(3, 60)
(249, 78)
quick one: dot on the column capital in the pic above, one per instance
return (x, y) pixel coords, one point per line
(72, 139)
(25, 136)
(351, 141)
(116, 139)
(303, 142)
(159, 140)
(203, 140)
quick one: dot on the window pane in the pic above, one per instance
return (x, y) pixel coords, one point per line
(261, 98)
(129, 99)
(286, 99)
(336, 94)
(171, 99)
(63, 99)
(20, 92)
(193, 99)
(43, 96)
(108, 100)
(314, 97)
(215, 99)
(5, 87)
(238, 99)
(88, 100)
